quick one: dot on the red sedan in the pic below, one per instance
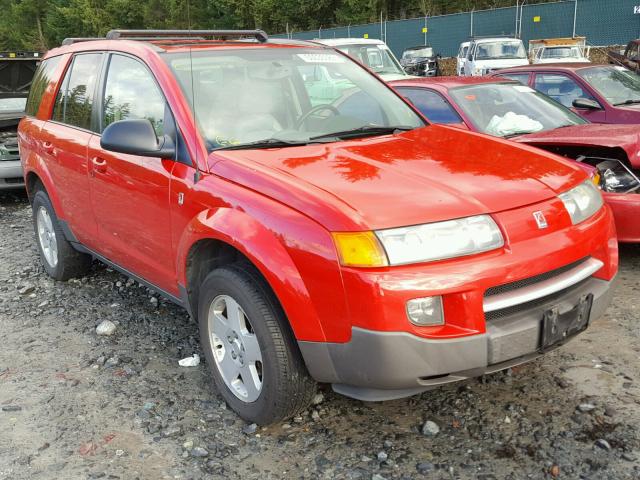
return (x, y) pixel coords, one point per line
(599, 93)
(508, 109)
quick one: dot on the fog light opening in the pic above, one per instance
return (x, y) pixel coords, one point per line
(425, 311)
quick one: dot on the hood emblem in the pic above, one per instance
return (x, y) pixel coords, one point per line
(540, 219)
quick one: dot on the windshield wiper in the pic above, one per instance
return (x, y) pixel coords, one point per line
(266, 143)
(521, 132)
(365, 130)
(627, 102)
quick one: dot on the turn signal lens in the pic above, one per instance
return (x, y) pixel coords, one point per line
(595, 178)
(360, 249)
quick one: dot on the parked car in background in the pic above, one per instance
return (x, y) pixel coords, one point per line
(507, 109)
(628, 57)
(420, 61)
(559, 50)
(461, 58)
(16, 74)
(486, 55)
(373, 53)
(364, 249)
(599, 93)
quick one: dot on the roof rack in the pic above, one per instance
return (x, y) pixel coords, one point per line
(72, 40)
(259, 35)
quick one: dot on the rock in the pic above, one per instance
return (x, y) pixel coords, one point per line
(610, 411)
(377, 477)
(382, 456)
(188, 445)
(172, 431)
(250, 429)
(112, 362)
(11, 408)
(603, 444)
(586, 407)
(119, 453)
(430, 429)
(317, 400)
(425, 467)
(387, 444)
(192, 361)
(106, 328)
(26, 290)
(315, 415)
(199, 452)
(629, 457)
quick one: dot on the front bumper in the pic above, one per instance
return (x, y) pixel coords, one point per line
(376, 365)
(11, 175)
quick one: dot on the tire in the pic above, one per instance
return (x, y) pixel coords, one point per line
(67, 262)
(278, 385)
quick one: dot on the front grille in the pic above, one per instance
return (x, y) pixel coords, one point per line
(525, 282)
(522, 307)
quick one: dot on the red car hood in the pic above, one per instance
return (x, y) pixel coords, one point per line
(426, 175)
(626, 137)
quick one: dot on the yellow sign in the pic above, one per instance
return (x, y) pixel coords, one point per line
(536, 19)
(424, 29)
(12, 55)
(366, 35)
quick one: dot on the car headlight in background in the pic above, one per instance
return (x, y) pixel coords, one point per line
(440, 240)
(582, 201)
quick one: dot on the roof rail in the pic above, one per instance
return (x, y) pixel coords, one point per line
(480, 37)
(72, 40)
(259, 35)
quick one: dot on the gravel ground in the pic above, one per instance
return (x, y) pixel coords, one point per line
(77, 405)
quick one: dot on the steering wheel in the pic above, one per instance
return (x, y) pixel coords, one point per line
(313, 111)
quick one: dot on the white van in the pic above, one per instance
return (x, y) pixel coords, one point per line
(371, 52)
(461, 59)
(486, 55)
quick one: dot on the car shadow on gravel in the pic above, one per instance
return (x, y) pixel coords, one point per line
(80, 405)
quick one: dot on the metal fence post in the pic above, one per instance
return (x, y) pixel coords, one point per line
(575, 16)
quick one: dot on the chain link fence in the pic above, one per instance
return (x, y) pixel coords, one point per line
(602, 22)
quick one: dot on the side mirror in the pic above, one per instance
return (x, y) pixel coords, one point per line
(137, 137)
(586, 103)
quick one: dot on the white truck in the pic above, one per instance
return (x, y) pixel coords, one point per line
(559, 50)
(373, 53)
(486, 55)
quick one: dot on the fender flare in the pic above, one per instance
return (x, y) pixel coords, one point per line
(266, 252)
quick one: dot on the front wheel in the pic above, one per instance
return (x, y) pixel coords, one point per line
(252, 355)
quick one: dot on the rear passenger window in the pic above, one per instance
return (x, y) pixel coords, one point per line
(75, 98)
(431, 104)
(41, 80)
(131, 92)
(523, 78)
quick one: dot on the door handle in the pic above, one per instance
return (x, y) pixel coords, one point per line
(99, 164)
(49, 149)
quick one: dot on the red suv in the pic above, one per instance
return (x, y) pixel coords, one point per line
(307, 216)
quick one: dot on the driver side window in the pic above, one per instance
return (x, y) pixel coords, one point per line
(561, 88)
(131, 92)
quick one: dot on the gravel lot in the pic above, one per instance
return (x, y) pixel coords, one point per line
(77, 405)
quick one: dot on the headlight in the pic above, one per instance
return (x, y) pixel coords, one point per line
(437, 241)
(582, 201)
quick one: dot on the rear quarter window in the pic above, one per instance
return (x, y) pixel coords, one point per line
(41, 79)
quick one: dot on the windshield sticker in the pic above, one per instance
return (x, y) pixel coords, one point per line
(320, 58)
(470, 97)
(524, 88)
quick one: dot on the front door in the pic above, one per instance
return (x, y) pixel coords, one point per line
(130, 194)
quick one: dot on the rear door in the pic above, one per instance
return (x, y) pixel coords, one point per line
(65, 139)
(129, 193)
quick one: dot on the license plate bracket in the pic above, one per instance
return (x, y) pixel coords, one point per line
(559, 327)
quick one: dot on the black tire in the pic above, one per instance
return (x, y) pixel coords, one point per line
(287, 388)
(70, 263)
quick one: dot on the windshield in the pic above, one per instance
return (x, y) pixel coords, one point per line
(616, 84)
(294, 95)
(500, 49)
(422, 52)
(377, 57)
(561, 52)
(505, 109)
(17, 104)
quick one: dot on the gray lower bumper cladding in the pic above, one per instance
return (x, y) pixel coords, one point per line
(376, 366)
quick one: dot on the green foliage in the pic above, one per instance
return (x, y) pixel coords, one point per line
(42, 24)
